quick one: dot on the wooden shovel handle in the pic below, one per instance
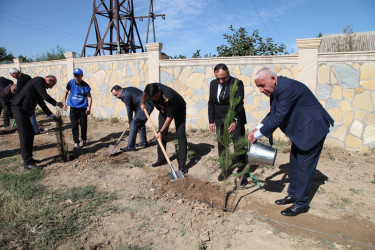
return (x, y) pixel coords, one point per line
(119, 139)
(159, 140)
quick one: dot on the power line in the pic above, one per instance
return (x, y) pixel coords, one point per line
(260, 18)
(226, 6)
(274, 26)
(71, 35)
(60, 10)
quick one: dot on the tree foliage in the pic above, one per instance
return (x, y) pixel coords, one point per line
(25, 59)
(241, 44)
(228, 155)
(178, 57)
(5, 56)
(197, 54)
(53, 55)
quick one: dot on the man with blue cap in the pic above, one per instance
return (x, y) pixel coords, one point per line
(79, 101)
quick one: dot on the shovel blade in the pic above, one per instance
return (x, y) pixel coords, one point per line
(179, 174)
(171, 177)
(175, 174)
(112, 149)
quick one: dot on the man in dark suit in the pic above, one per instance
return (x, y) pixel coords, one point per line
(132, 97)
(298, 113)
(172, 106)
(23, 106)
(5, 103)
(22, 79)
(218, 106)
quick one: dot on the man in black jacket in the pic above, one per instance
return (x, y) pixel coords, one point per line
(23, 106)
(5, 103)
(218, 105)
(172, 106)
(22, 79)
(132, 97)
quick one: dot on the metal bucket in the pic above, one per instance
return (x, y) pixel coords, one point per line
(260, 154)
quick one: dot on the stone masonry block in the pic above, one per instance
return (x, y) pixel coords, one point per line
(323, 74)
(336, 92)
(369, 134)
(348, 118)
(363, 101)
(357, 128)
(368, 71)
(352, 142)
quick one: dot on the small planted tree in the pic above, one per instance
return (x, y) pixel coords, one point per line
(231, 150)
(61, 144)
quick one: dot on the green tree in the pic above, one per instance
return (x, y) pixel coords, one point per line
(25, 59)
(241, 44)
(197, 54)
(177, 57)
(53, 55)
(228, 155)
(5, 56)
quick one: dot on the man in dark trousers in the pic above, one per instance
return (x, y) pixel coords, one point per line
(132, 97)
(298, 113)
(218, 106)
(23, 106)
(22, 79)
(172, 106)
(5, 103)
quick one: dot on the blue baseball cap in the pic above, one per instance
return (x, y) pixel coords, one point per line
(77, 71)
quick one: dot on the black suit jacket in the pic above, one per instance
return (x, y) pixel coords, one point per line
(298, 113)
(217, 111)
(22, 80)
(132, 97)
(4, 82)
(33, 93)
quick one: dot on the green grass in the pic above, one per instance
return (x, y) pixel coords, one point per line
(33, 216)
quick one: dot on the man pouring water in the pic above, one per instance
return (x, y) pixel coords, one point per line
(298, 113)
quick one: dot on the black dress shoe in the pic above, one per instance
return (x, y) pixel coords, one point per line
(32, 167)
(221, 177)
(287, 200)
(294, 210)
(142, 144)
(244, 181)
(183, 170)
(127, 149)
(159, 163)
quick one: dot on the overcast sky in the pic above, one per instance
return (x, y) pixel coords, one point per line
(33, 27)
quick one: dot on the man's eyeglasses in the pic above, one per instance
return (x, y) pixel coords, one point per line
(76, 75)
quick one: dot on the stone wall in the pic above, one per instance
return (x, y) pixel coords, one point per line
(346, 88)
(343, 82)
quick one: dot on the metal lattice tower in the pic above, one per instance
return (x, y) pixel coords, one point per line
(152, 16)
(121, 32)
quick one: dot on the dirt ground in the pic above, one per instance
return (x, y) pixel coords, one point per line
(155, 213)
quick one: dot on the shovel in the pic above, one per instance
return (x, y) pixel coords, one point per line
(113, 149)
(173, 175)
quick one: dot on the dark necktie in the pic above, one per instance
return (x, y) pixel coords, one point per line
(222, 94)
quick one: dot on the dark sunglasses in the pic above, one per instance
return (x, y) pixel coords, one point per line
(76, 75)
